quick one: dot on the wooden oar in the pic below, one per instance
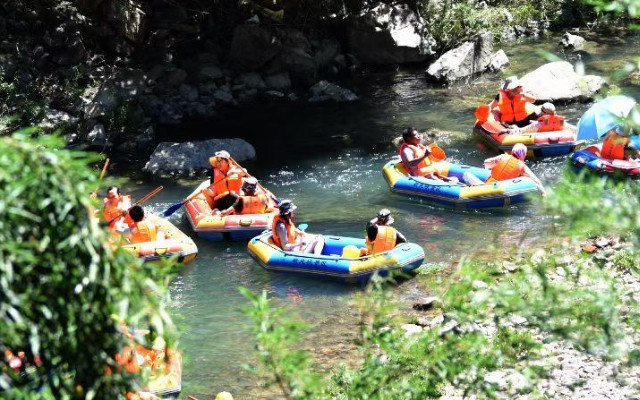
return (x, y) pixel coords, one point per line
(102, 174)
(140, 201)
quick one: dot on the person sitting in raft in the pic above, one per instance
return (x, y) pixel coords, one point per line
(286, 236)
(115, 208)
(505, 167)
(224, 177)
(616, 146)
(248, 202)
(415, 155)
(141, 228)
(383, 218)
(547, 122)
(381, 238)
(511, 107)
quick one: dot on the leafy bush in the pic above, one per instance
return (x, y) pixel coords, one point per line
(64, 289)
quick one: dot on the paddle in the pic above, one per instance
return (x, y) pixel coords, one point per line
(140, 201)
(102, 174)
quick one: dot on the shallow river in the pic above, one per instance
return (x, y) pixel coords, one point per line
(328, 159)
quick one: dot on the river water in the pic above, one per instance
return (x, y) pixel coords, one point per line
(328, 159)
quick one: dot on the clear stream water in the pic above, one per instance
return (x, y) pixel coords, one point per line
(328, 158)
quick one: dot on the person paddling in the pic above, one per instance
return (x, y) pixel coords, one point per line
(415, 156)
(115, 205)
(225, 178)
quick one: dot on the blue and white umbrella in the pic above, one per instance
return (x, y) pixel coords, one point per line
(606, 115)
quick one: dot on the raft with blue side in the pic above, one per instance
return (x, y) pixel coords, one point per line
(590, 159)
(331, 264)
(489, 195)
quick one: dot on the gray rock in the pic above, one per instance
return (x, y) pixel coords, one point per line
(128, 19)
(55, 119)
(557, 81)
(302, 68)
(572, 42)
(498, 61)
(211, 72)
(428, 303)
(207, 88)
(188, 92)
(223, 96)
(124, 86)
(325, 52)
(175, 78)
(466, 60)
(8, 67)
(278, 81)
(97, 136)
(325, 90)
(411, 329)
(253, 80)
(252, 47)
(274, 94)
(189, 158)
(390, 34)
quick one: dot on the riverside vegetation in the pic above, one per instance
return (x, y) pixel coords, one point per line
(65, 290)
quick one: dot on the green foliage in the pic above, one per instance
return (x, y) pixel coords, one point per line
(64, 288)
(27, 106)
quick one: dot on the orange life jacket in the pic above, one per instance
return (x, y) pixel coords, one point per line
(613, 146)
(515, 109)
(507, 168)
(550, 123)
(385, 240)
(143, 231)
(292, 231)
(112, 211)
(254, 204)
(418, 151)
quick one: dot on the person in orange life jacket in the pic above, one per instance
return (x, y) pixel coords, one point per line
(547, 122)
(115, 205)
(248, 202)
(414, 155)
(616, 146)
(224, 177)
(381, 237)
(289, 238)
(505, 166)
(141, 228)
(512, 107)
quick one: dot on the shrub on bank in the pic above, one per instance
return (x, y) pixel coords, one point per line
(63, 288)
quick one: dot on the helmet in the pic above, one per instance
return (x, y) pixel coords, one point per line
(519, 151)
(249, 183)
(385, 215)
(224, 396)
(286, 207)
(511, 83)
(548, 108)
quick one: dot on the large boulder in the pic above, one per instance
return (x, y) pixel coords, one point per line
(557, 81)
(390, 34)
(467, 60)
(190, 158)
(252, 47)
(128, 19)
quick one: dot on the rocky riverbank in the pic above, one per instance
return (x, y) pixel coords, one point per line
(108, 72)
(571, 371)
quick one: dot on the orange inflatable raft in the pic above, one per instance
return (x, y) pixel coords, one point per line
(230, 227)
(176, 244)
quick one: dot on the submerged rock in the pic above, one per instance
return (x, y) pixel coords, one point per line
(325, 90)
(189, 158)
(466, 60)
(557, 81)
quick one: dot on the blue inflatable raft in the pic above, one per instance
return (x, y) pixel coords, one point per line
(489, 195)
(331, 264)
(590, 159)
